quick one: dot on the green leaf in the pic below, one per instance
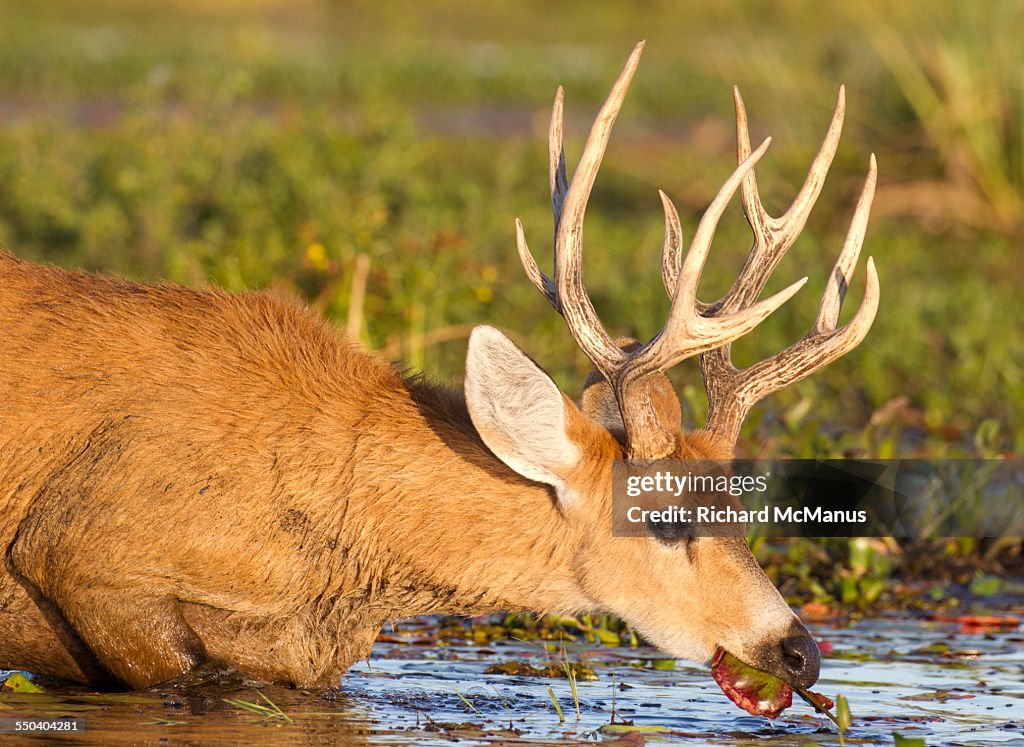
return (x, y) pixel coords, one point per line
(871, 589)
(627, 728)
(843, 713)
(860, 555)
(848, 588)
(19, 683)
(985, 585)
(607, 637)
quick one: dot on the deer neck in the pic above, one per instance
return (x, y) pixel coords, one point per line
(464, 533)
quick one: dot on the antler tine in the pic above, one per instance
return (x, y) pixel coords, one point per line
(540, 281)
(574, 303)
(556, 159)
(671, 247)
(567, 293)
(731, 393)
(795, 218)
(559, 186)
(751, 199)
(838, 281)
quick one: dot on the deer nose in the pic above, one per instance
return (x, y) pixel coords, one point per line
(800, 658)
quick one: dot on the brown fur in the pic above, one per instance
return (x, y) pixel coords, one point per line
(189, 475)
(223, 475)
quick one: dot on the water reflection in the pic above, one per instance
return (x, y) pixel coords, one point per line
(918, 678)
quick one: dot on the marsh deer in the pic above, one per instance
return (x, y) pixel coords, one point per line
(193, 475)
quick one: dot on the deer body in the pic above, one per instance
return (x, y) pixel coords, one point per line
(231, 465)
(197, 475)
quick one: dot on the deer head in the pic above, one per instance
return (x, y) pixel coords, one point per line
(690, 596)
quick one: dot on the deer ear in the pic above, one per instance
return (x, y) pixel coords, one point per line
(599, 405)
(518, 410)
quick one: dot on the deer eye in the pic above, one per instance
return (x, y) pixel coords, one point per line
(671, 532)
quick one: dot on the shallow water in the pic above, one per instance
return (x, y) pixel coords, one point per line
(921, 679)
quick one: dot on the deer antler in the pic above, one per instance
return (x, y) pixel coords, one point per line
(692, 327)
(731, 392)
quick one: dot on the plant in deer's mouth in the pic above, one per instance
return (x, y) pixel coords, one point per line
(756, 692)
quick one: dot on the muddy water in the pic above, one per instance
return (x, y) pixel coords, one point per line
(921, 679)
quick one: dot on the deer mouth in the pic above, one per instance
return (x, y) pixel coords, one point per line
(756, 692)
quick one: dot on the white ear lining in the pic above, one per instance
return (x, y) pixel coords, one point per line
(517, 409)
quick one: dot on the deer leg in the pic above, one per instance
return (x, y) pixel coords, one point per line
(36, 637)
(142, 641)
(133, 628)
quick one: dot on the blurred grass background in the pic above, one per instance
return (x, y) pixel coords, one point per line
(311, 146)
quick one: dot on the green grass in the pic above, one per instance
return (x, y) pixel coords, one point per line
(272, 145)
(558, 707)
(268, 710)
